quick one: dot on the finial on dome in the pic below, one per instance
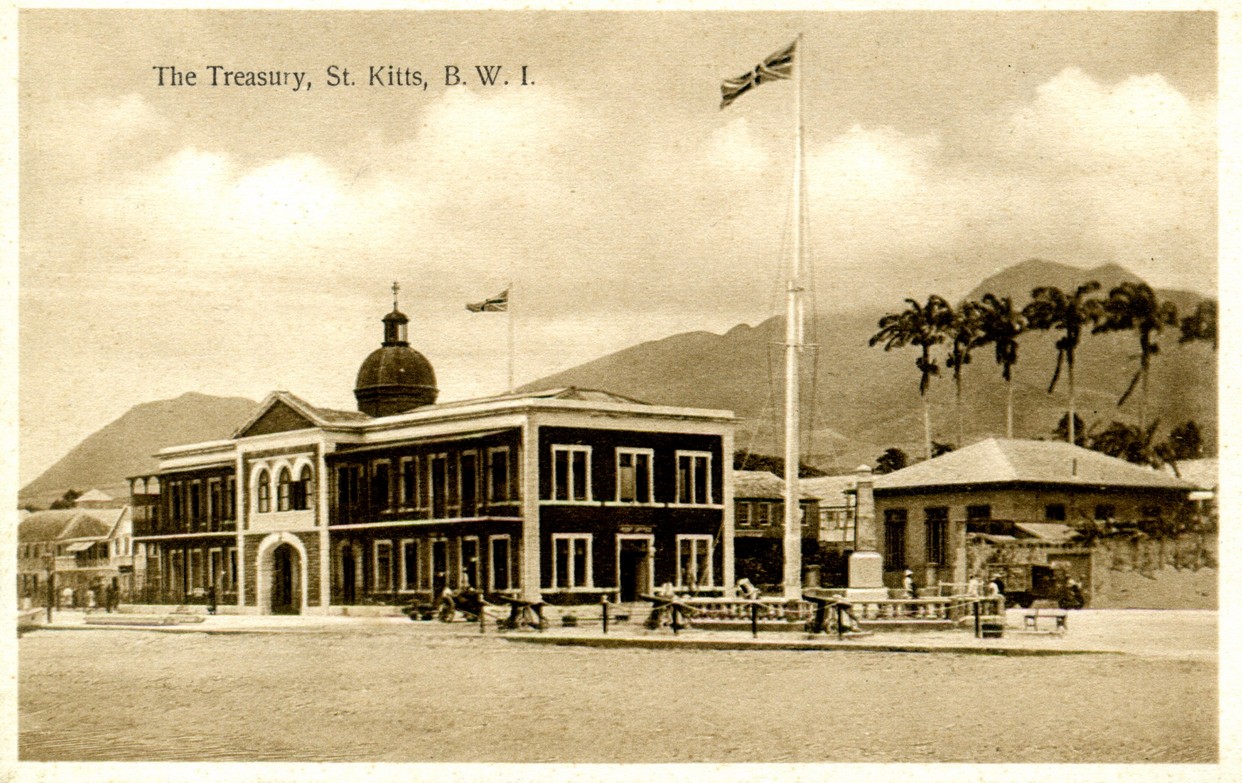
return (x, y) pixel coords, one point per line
(395, 288)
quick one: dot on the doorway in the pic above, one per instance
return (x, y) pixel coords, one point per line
(634, 573)
(285, 592)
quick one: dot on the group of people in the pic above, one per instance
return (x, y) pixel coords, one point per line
(106, 595)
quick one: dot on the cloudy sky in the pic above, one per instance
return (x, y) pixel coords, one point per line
(237, 240)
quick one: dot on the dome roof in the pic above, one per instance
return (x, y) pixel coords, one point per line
(396, 365)
(395, 378)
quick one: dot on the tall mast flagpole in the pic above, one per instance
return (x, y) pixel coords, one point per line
(793, 350)
(509, 313)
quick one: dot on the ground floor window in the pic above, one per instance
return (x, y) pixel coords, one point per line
(175, 570)
(215, 568)
(571, 561)
(936, 522)
(694, 561)
(468, 561)
(895, 537)
(500, 564)
(409, 564)
(383, 566)
(196, 568)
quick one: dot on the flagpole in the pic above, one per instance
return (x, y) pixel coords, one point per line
(793, 350)
(509, 312)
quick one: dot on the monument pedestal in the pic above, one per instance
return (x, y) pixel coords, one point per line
(866, 577)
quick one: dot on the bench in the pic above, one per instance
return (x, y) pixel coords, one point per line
(1031, 618)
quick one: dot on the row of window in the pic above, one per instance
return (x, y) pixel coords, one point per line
(188, 569)
(432, 482)
(116, 548)
(413, 564)
(201, 503)
(572, 561)
(291, 494)
(935, 532)
(571, 476)
(422, 564)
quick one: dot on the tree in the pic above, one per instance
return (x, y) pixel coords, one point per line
(1080, 430)
(1128, 442)
(922, 326)
(1184, 442)
(964, 330)
(1201, 324)
(939, 448)
(893, 459)
(1052, 308)
(66, 500)
(1000, 323)
(1134, 306)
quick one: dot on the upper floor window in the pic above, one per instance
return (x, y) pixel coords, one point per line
(300, 492)
(571, 473)
(228, 506)
(498, 490)
(634, 475)
(263, 492)
(1054, 512)
(409, 482)
(284, 490)
(1105, 512)
(694, 477)
(381, 493)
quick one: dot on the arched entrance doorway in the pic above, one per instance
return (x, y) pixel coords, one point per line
(282, 582)
(286, 591)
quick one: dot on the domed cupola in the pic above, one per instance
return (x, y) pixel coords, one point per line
(395, 378)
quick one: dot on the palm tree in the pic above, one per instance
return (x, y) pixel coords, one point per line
(1001, 323)
(1135, 306)
(1052, 308)
(922, 326)
(965, 329)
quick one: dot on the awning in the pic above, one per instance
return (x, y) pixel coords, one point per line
(80, 546)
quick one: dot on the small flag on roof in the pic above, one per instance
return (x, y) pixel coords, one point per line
(779, 65)
(497, 304)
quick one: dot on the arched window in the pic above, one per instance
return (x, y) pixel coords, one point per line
(302, 489)
(284, 490)
(264, 491)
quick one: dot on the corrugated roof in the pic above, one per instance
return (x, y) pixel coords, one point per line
(999, 460)
(762, 485)
(57, 524)
(831, 490)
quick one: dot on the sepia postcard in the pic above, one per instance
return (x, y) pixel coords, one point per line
(666, 390)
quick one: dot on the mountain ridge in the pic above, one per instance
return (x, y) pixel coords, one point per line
(865, 399)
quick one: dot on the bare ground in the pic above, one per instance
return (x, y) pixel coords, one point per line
(404, 693)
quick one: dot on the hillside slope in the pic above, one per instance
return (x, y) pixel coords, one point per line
(125, 447)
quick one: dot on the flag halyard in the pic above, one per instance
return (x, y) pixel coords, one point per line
(496, 304)
(778, 65)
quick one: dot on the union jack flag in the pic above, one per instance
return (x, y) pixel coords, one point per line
(777, 66)
(497, 304)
